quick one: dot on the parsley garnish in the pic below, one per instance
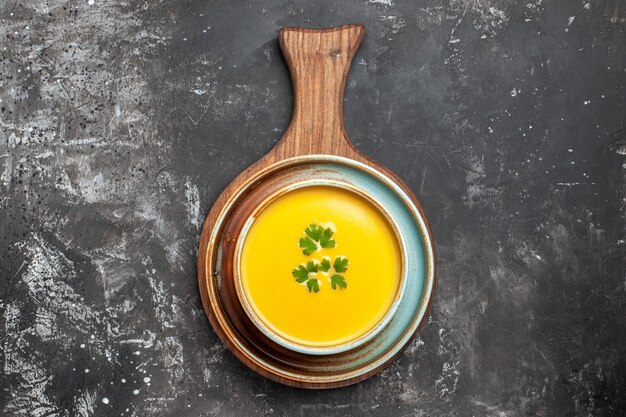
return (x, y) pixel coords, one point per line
(318, 238)
(338, 281)
(341, 264)
(303, 273)
(312, 285)
(326, 240)
(314, 231)
(307, 245)
(300, 273)
(324, 266)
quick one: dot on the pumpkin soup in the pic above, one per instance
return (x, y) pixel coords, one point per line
(320, 266)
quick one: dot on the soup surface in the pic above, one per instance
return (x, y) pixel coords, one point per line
(320, 266)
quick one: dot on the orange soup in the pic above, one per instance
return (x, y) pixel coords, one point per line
(320, 266)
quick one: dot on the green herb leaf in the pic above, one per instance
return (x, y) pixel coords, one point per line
(341, 264)
(300, 273)
(318, 237)
(338, 281)
(312, 285)
(314, 231)
(326, 240)
(324, 266)
(319, 234)
(307, 245)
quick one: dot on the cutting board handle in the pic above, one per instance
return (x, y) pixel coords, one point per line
(318, 60)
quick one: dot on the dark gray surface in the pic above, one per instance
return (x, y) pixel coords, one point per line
(121, 123)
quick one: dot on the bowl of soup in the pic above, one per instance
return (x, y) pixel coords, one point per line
(320, 271)
(319, 267)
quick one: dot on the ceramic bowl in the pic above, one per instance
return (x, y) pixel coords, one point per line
(300, 365)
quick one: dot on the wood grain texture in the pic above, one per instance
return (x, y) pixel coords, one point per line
(318, 61)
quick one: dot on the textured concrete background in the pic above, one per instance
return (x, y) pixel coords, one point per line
(121, 121)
